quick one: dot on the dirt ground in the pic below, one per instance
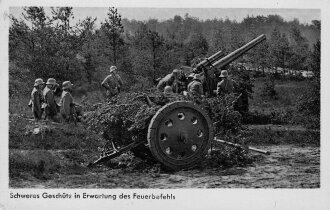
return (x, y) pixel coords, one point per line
(288, 166)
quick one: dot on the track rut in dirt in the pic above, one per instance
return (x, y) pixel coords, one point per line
(288, 166)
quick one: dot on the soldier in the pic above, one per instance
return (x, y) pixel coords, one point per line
(166, 81)
(225, 86)
(195, 87)
(181, 82)
(168, 90)
(37, 99)
(174, 79)
(66, 102)
(51, 108)
(112, 83)
(210, 81)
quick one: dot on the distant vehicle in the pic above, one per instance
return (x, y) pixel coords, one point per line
(307, 74)
(280, 70)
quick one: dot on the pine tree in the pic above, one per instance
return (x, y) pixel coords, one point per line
(279, 49)
(299, 50)
(113, 29)
(88, 49)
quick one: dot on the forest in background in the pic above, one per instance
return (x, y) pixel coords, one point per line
(43, 46)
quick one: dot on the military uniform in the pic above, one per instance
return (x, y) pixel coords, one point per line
(166, 81)
(196, 88)
(210, 81)
(112, 82)
(36, 103)
(67, 109)
(51, 108)
(176, 80)
(66, 104)
(225, 87)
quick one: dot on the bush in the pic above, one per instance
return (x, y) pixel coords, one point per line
(274, 117)
(307, 109)
(272, 135)
(20, 80)
(269, 88)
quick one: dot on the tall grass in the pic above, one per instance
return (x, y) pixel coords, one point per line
(19, 105)
(287, 95)
(59, 148)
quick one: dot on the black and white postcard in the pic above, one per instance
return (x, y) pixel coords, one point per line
(164, 104)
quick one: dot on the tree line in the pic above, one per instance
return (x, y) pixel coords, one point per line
(42, 45)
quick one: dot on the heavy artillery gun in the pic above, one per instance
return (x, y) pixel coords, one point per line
(212, 64)
(179, 134)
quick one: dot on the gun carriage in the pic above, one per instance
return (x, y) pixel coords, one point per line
(180, 133)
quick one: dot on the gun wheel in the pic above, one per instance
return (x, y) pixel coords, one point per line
(180, 134)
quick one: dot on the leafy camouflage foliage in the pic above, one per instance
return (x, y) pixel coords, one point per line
(126, 117)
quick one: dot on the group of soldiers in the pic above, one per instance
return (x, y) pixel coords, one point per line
(43, 101)
(176, 82)
(43, 98)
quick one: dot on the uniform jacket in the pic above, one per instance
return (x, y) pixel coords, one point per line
(51, 108)
(196, 88)
(225, 86)
(169, 80)
(166, 81)
(66, 103)
(113, 82)
(37, 100)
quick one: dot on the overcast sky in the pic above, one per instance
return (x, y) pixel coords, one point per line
(303, 15)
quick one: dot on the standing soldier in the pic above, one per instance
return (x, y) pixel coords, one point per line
(210, 81)
(37, 99)
(66, 102)
(225, 86)
(48, 93)
(195, 87)
(112, 83)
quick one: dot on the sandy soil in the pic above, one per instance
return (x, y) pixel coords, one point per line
(288, 166)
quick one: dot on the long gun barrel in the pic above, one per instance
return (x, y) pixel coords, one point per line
(210, 60)
(240, 51)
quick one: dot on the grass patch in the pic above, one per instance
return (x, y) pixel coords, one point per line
(276, 110)
(57, 149)
(19, 105)
(287, 95)
(61, 136)
(268, 136)
(45, 164)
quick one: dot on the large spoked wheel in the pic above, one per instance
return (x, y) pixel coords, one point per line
(180, 134)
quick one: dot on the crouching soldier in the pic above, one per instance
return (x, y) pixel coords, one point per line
(69, 110)
(37, 99)
(176, 80)
(51, 108)
(195, 87)
(168, 90)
